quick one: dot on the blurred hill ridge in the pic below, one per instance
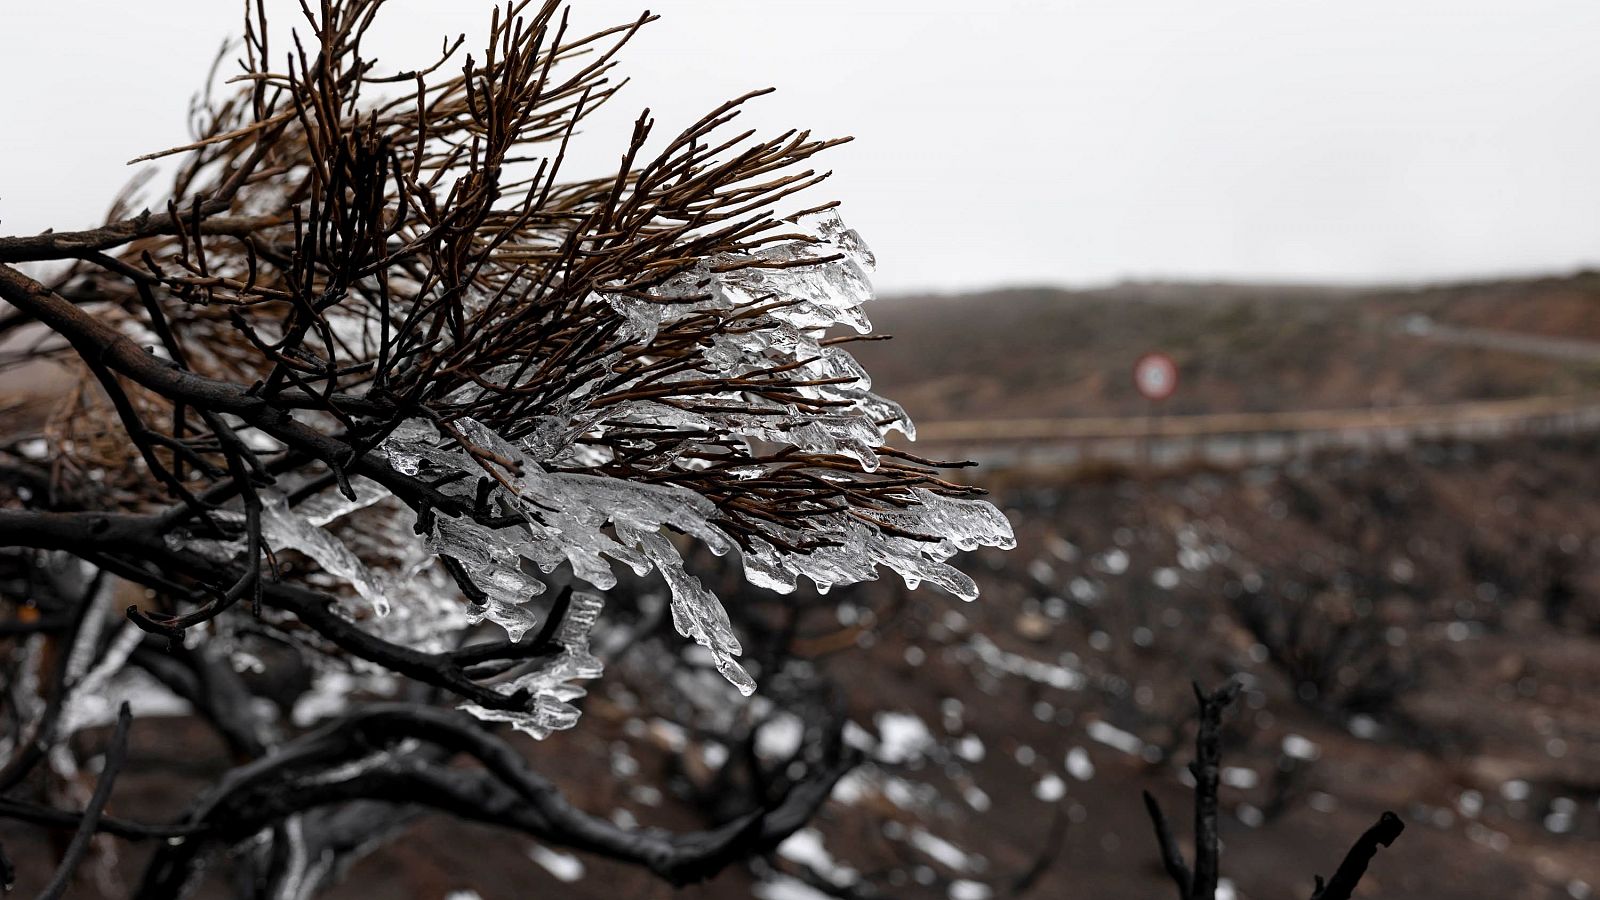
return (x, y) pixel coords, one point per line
(1043, 352)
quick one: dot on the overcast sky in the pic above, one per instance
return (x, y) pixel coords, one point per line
(999, 142)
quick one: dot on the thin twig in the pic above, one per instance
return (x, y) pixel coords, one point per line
(1348, 875)
(116, 755)
(1171, 856)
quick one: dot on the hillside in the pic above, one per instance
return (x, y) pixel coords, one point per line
(1048, 352)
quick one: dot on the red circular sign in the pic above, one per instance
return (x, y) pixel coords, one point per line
(1156, 376)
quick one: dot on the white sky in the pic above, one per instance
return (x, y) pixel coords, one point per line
(1000, 142)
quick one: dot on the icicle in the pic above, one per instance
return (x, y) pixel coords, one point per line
(286, 529)
(494, 567)
(331, 505)
(696, 612)
(550, 685)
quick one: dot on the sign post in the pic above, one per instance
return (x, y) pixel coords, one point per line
(1155, 376)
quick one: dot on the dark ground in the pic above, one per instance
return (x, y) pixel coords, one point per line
(1448, 562)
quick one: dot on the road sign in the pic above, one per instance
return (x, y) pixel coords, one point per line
(1155, 375)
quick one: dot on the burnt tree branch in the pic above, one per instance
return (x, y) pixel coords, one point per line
(1201, 883)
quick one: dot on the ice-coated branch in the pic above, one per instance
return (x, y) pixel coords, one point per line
(38, 735)
(116, 756)
(504, 792)
(377, 383)
(133, 535)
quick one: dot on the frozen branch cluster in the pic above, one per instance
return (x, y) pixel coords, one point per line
(561, 513)
(376, 384)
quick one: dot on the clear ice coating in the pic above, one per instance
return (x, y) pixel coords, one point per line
(787, 296)
(303, 530)
(549, 683)
(696, 612)
(286, 529)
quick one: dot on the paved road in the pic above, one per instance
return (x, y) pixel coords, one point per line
(1249, 438)
(1256, 438)
(1569, 349)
